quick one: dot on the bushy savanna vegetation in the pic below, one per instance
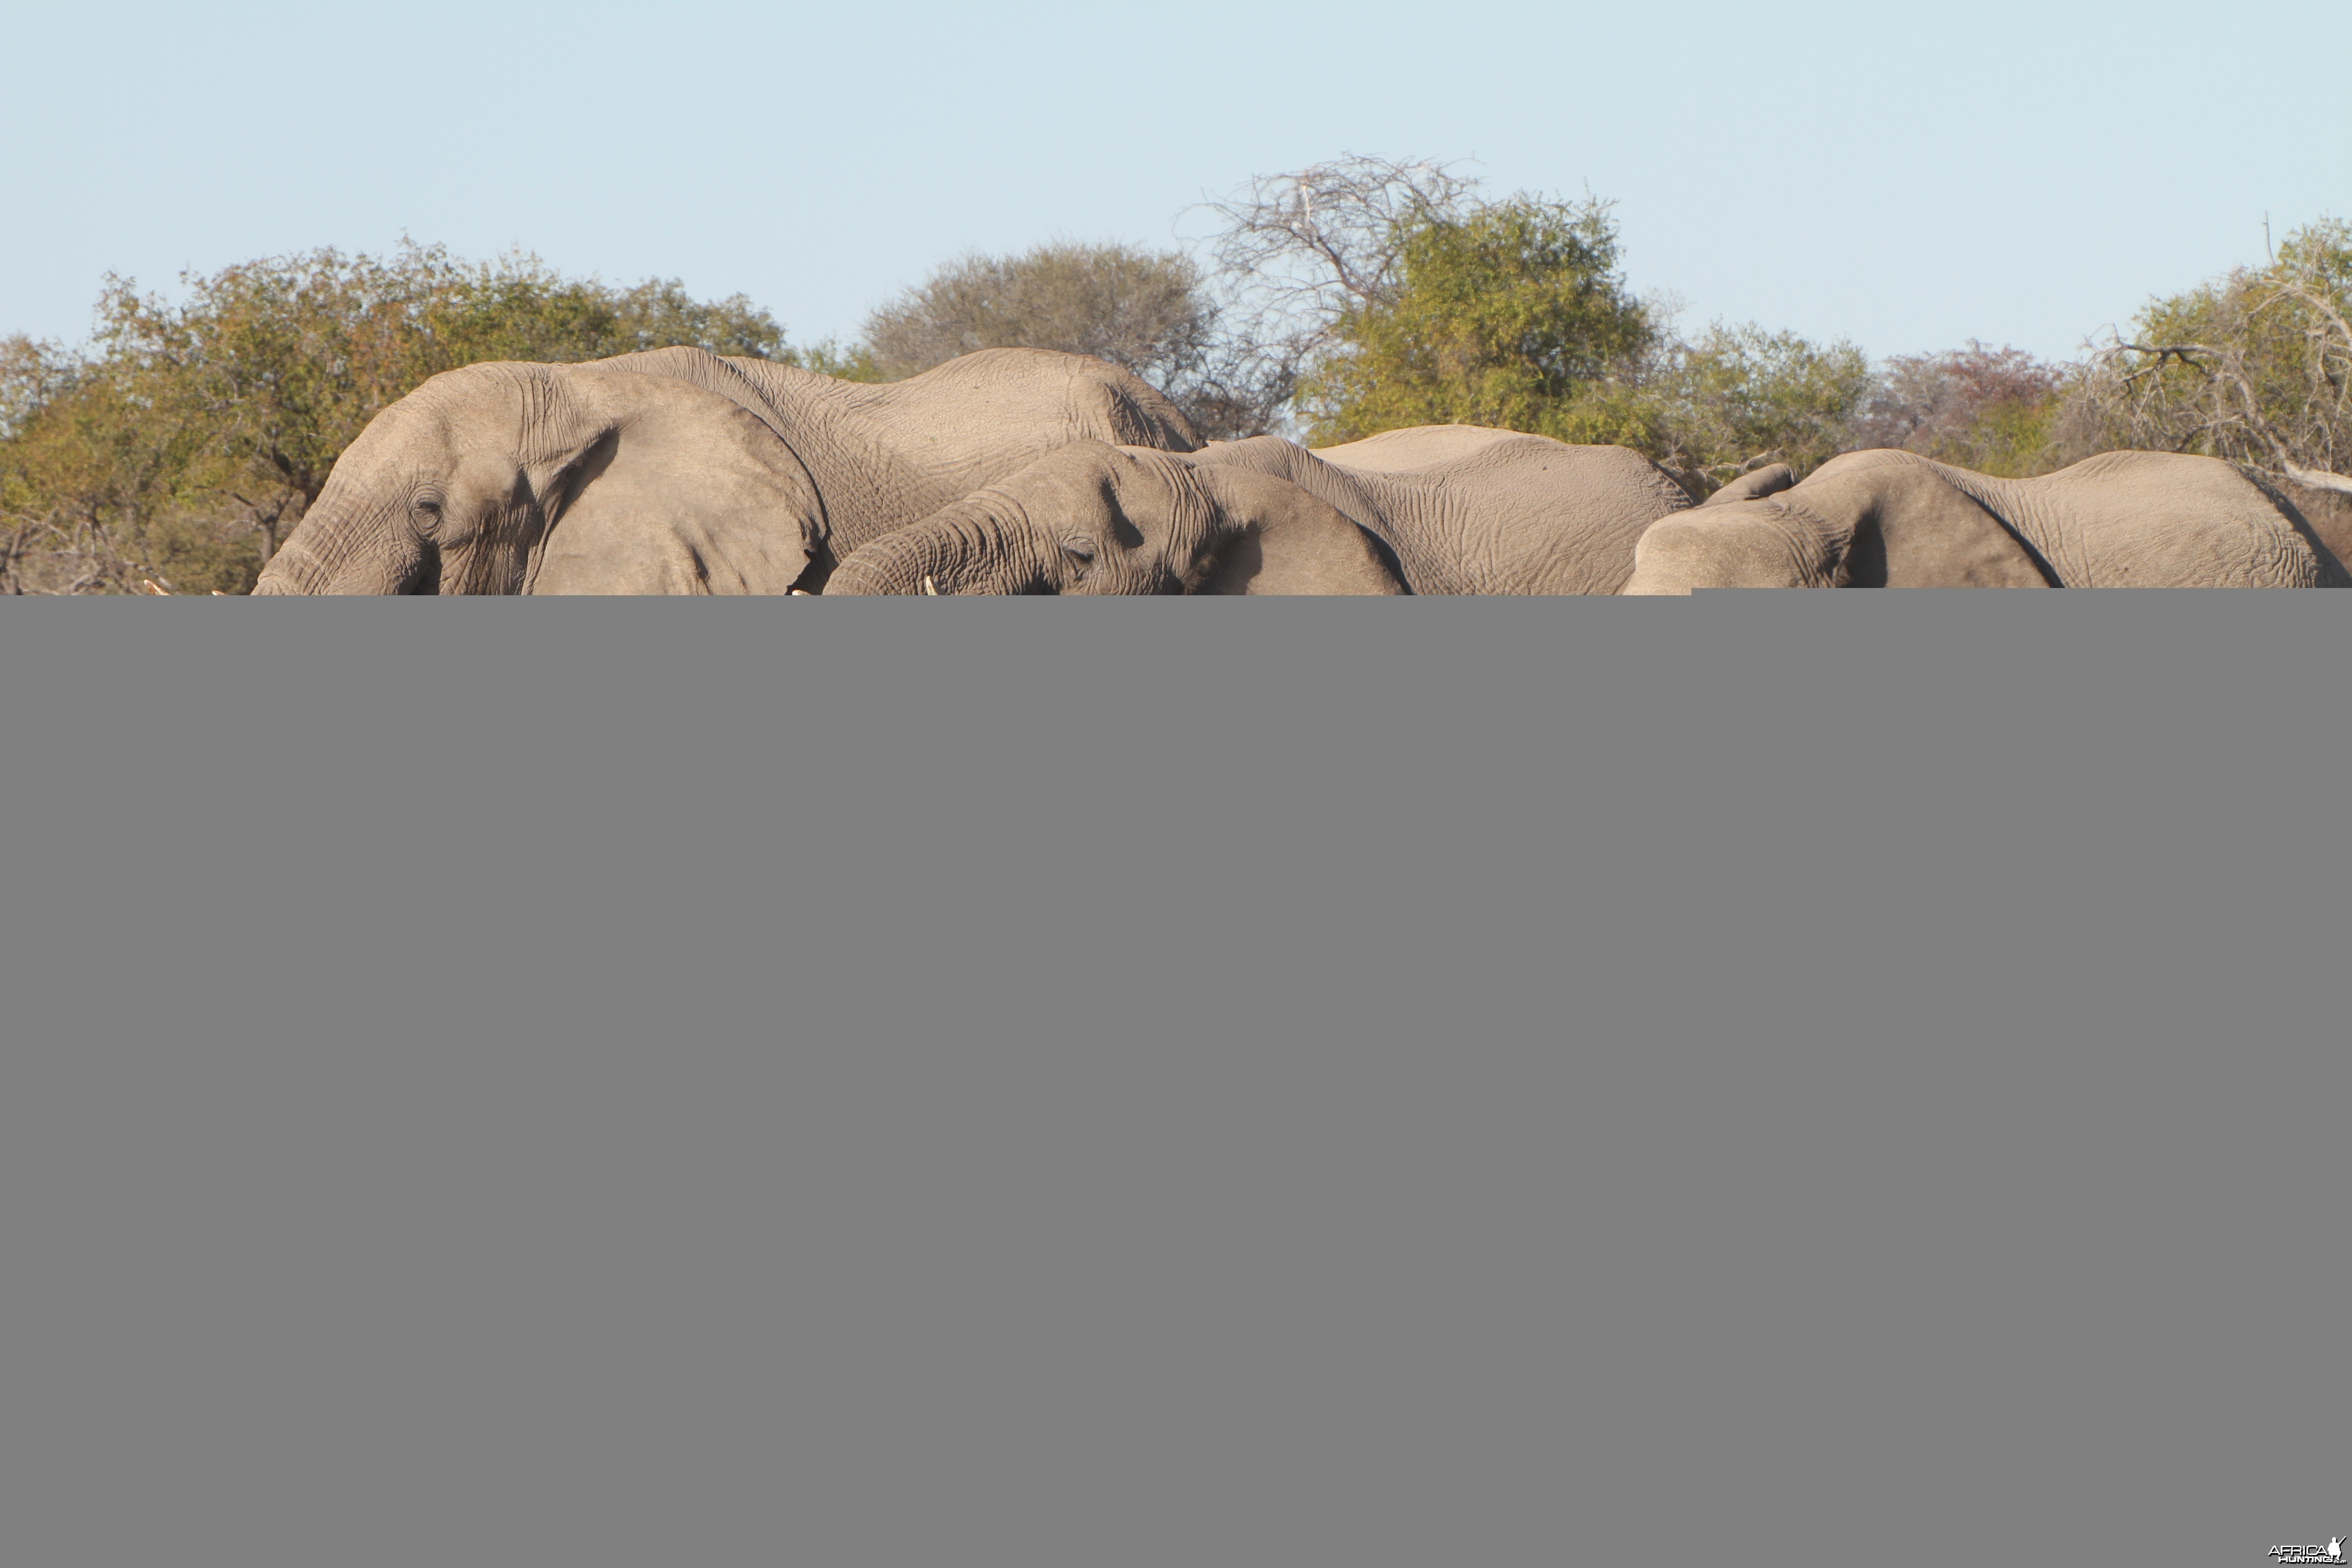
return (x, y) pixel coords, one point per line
(2256, 367)
(185, 439)
(179, 444)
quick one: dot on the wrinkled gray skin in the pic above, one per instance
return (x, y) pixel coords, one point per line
(2324, 501)
(680, 472)
(1466, 509)
(1097, 519)
(1888, 519)
(1444, 510)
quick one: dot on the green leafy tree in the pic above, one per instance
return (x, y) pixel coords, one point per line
(93, 473)
(1738, 398)
(1512, 314)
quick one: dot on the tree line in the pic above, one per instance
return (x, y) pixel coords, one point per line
(183, 440)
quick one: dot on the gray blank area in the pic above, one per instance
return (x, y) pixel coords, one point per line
(1809, 1079)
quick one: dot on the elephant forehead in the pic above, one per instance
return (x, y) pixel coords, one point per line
(407, 424)
(401, 448)
(1075, 483)
(503, 408)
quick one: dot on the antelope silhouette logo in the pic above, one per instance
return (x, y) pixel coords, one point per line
(2335, 1549)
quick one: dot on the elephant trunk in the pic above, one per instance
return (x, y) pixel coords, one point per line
(343, 550)
(293, 570)
(981, 545)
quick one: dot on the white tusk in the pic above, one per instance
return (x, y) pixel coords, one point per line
(931, 587)
(154, 588)
(803, 593)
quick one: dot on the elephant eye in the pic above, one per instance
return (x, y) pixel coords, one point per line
(1080, 546)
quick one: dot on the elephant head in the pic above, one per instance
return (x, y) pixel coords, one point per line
(1866, 519)
(1089, 518)
(518, 479)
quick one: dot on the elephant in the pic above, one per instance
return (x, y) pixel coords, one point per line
(678, 471)
(1893, 519)
(1092, 518)
(1468, 510)
(1438, 510)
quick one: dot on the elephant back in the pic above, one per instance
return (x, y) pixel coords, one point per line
(2128, 520)
(1477, 511)
(1049, 398)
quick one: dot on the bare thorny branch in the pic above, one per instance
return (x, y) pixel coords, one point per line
(1345, 220)
(2224, 408)
(1296, 252)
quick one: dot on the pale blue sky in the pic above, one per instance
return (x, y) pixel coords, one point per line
(1908, 175)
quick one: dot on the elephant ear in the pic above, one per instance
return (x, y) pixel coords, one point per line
(1943, 541)
(1274, 538)
(1915, 529)
(669, 488)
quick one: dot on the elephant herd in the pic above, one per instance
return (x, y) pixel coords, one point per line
(1024, 472)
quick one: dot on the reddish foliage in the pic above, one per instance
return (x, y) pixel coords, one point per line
(1927, 402)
